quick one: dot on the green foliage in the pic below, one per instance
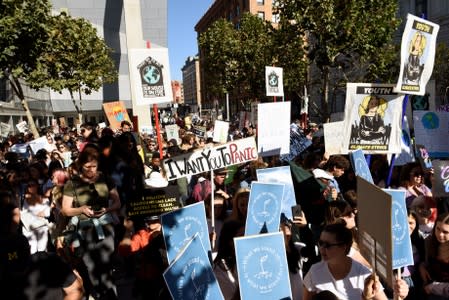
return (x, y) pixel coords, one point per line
(441, 68)
(77, 60)
(346, 39)
(236, 58)
(24, 27)
(219, 46)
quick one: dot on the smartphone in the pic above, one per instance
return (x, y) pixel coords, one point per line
(296, 211)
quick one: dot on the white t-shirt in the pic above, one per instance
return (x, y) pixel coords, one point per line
(319, 278)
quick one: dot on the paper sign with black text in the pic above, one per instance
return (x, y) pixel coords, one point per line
(150, 75)
(274, 81)
(373, 118)
(207, 159)
(417, 55)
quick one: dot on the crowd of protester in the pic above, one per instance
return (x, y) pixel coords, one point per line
(65, 208)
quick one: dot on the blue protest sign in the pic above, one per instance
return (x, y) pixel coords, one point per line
(402, 246)
(264, 207)
(360, 166)
(190, 275)
(179, 226)
(262, 267)
(280, 175)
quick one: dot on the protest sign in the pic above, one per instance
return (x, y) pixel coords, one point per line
(116, 113)
(360, 166)
(190, 275)
(172, 132)
(5, 129)
(199, 131)
(274, 84)
(179, 226)
(431, 130)
(333, 137)
(221, 129)
(423, 157)
(440, 185)
(375, 228)
(402, 245)
(22, 126)
(150, 75)
(262, 267)
(273, 131)
(37, 144)
(373, 118)
(298, 143)
(284, 176)
(264, 207)
(406, 155)
(154, 202)
(236, 152)
(417, 55)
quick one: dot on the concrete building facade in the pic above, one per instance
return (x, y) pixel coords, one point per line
(107, 16)
(191, 83)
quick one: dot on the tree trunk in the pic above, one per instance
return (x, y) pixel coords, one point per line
(78, 110)
(17, 87)
(325, 96)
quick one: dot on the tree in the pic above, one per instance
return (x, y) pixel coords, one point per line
(219, 45)
(441, 70)
(339, 34)
(254, 53)
(23, 35)
(78, 60)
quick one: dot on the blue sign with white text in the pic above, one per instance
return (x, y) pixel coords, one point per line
(262, 267)
(179, 226)
(264, 207)
(280, 175)
(360, 166)
(190, 275)
(402, 245)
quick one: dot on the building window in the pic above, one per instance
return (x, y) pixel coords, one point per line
(261, 15)
(275, 18)
(260, 2)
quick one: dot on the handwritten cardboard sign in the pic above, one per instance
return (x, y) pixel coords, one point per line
(116, 113)
(236, 152)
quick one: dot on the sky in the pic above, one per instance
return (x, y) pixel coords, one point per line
(182, 18)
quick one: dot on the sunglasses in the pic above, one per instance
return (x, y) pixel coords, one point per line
(326, 245)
